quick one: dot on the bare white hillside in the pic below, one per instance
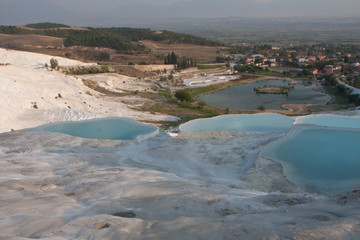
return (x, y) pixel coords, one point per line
(31, 95)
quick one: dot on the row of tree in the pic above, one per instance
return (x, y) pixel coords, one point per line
(180, 62)
(13, 30)
(138, 34)
(46, 25)
(171, 58)
(96, 39)
(221, 59)
(247, 68)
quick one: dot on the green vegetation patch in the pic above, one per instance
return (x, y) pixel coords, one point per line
(203, 90)
(120, 39)
(13, 30)
(342, 96)
(184, 95)
(180, 62)
(209, 66)
(87, 70)
(46, 25)
(274, 90)
(166, 94)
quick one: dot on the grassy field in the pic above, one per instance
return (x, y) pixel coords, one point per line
(209, 66)
(283, 68)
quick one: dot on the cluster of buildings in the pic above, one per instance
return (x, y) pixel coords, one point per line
(261, 61)
(317, 65)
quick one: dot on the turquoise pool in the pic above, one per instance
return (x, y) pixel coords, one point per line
(321, 159)
(331, 120)
(320, 153)
(104, 128)
(262, 122)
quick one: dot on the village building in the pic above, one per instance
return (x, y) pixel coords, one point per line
(329, 69)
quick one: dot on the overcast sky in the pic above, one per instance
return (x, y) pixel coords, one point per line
(110, 12)
(285, 5)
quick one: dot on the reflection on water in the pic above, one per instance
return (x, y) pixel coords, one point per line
(243, 97)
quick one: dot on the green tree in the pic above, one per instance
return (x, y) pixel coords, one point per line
(349, 78)
(357, 82)
(184, 95)
(46, 25)
(103, 56)
(220, 59)
(171, 58)
(306, 72)
(261, 108)
(201, 105)
(54, 63)
(258, 60)
(330, 80)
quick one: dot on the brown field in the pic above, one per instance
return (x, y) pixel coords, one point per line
(136, 58)
(42, 44)
(273, 90)
(201, 54)
(30, 41)
(54, 46)
(131, 71)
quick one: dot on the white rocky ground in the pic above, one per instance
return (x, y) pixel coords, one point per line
(117, 83)
(205, 81)
(26, 83)
(193, 186)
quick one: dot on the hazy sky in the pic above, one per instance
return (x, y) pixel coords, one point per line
(285, 5)
(110, 12)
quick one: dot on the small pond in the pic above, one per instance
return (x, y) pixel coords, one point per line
(243, 97)
(104, 128)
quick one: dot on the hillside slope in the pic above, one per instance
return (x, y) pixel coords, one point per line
(31, 95)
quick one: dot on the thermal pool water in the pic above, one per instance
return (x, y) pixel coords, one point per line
(213, 185)
(320, 159)
(104, 128)
(263, 122)
(320, 153)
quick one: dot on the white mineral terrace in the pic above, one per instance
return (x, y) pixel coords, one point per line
(193, 186)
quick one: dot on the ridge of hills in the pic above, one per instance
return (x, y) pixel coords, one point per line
(117, 38)
(107, 45)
